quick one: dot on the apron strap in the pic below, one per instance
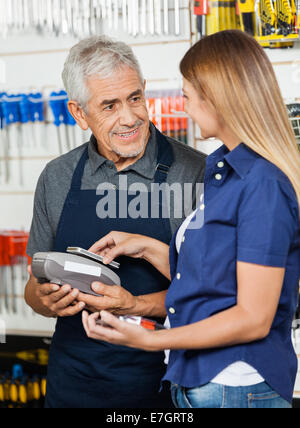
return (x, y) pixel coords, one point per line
(78, 174)
(165, 158)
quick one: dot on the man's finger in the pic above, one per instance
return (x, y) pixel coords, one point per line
(72, 310)
(97, 303)
(104, 290)
(61, 293)
(47, 289)
(66, 301)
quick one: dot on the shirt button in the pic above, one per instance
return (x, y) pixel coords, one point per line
(114, 187)
(172, 311)
(221, 165)
(218, 177)
(178, 276)
(183, 239)
(202, 207)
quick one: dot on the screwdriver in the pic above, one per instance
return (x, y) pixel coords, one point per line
(70, 123)
(201, 10)
(57, 108)
(2, 394)
(2, 134)
(7, 118)
(36, 113)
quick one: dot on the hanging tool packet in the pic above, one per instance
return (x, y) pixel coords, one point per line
(77, 268)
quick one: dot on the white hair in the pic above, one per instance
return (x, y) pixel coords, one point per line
(95, 56)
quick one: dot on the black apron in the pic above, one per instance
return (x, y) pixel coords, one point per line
(85, 373)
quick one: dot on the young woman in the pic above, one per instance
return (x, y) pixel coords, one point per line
(235, 278)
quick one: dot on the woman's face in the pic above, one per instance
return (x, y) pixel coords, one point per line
(202, 112)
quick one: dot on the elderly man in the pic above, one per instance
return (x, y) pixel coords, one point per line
(107, 95)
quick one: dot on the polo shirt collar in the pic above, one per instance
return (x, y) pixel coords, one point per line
(144, 166)
(241, 159)
(95, 159)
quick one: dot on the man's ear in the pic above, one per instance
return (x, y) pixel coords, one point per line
(78, 114)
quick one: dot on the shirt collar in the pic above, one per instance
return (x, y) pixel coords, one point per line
(241, 159)
(95, 159)
(144, 166)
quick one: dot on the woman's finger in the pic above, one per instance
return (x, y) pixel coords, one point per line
(85, 317)
(91, 321)
(107, 241)
(112, 321)
(112, 254)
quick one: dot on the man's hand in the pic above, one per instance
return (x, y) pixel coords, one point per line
(113, 298)
(52, 301)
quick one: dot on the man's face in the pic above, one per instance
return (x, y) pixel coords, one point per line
(117, 114)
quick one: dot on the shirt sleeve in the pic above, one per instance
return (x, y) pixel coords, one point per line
(41, 238)
(267, 223)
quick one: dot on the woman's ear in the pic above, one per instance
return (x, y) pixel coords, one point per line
(78, 114)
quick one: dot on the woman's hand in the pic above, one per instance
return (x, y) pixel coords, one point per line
(118, 332)
(117, 244)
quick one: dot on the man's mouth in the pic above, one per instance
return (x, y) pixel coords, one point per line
(128, 135)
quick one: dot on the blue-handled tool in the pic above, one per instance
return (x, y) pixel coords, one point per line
(70, 124)
(16, 112)
(37, 113)
(58, 109)
(2, 132)
(9, 116)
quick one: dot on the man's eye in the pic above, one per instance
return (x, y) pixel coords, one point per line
(136, 99)
(109, 108)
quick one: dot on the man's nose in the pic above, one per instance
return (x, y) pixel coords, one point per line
(127, 117)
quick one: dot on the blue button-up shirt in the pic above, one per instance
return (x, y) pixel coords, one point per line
(251, 215)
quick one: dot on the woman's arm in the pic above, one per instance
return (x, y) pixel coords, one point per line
(259, 290)
(118, 244)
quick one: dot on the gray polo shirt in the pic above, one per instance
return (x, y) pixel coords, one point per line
(55, 182)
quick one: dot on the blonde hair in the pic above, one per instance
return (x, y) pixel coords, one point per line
(232, 71)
